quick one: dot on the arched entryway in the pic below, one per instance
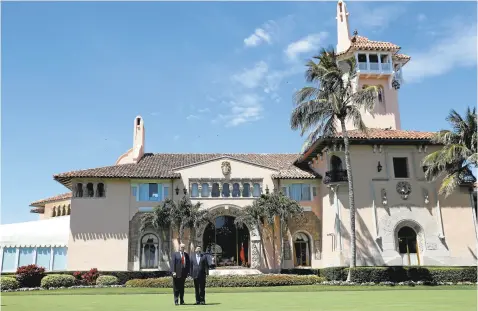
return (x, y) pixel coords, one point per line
(408, 246)
(302, 250)
(228, 244)
(149, 251)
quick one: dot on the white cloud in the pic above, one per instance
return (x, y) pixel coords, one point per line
(192, 116)
(373, 16)
(243, 109)
(261, 35)
(308, 44)
(456, 48)
(421, 17)
(252, 77)
(203, 110)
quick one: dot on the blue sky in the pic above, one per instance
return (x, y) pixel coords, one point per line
(206, 77)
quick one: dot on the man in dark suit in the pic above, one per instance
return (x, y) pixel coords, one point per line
(199, 271)
(180, 266)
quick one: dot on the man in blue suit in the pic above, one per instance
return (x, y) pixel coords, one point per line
(199, 271)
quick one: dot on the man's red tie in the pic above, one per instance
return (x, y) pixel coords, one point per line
(182, 259)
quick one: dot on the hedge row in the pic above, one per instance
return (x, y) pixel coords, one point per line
(402, 274)
(234, 281)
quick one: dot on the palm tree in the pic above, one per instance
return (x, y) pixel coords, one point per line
(333, 98)
(458, 156)
(158, 220)
(253, 216)
(277, 205)
(192, 218)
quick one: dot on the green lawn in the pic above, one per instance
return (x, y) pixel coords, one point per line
(324, 298)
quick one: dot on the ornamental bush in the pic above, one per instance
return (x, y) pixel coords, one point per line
(107, 280)
(58, 280)
(8, 283)
(89, 278)
(30, 276)
(399, 274)
(234, 281)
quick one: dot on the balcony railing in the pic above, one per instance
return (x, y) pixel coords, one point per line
(375, 67)
(335, 176)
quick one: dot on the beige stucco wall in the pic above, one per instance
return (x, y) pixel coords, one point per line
(376, 235)
(99, 230)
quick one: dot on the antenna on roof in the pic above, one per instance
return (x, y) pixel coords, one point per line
(355, 32)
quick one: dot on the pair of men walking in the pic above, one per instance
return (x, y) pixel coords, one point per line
(197, 267)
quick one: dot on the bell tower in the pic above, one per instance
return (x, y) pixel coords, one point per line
(137, 152)
(343, 32)
(378, 64)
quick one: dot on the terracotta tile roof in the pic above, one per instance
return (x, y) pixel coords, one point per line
(38, 210)
(388, 134)
(42, 202)
(401, 56)
(162, 165)
(373, 135)
(363, 43)
(295, 173)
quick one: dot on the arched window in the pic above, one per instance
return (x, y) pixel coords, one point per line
(246, 191)
(336, 163)
(68, 209)
(79, 190)
(63, 210)
(256, 191)
(149, 251)
(90, 191)
(381, 94)
(205, 190)
(226, 192)
(215, 190)
(194, 190)
(100, 190)
(407, 246)
(53, 211)
(302, 251)
(236, 192)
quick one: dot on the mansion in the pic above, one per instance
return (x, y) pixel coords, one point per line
(401, 219)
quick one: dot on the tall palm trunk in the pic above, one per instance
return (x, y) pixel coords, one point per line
(274, 243)
(281, 247)
(262, 240)
(351, 201)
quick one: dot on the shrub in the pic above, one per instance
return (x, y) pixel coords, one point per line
(90, 277)
(107, 280)
(30, 276)
(300, 271)
(334, 273)
(234, 281)
(8, 283)
(58, 280)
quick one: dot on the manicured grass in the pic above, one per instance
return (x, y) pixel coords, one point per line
(357, 298)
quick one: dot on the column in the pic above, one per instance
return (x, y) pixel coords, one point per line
(368, 62)
(379, 63)
(210, 189)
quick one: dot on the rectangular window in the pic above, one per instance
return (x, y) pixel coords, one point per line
(314, 191)
(26, 256)
(165, 192)
(300, 192)
(400, 167)
(9, 259)
(59, 258)
(150, 192)
(43, 257)
(134, 190)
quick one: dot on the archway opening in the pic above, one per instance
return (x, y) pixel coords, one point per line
(408, 246)
(336, 163)
(149, 251)
(302, 252)
(228, 244)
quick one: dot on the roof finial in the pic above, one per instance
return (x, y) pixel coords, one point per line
(355, 32)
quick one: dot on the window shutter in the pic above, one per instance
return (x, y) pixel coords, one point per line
(160, 192)
(165, 192)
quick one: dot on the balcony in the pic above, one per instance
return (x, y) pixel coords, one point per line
(374, 64)
(335, 176)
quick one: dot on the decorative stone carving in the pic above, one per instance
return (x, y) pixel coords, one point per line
(226, 168)
(287, 250)
(317, 247)
(384, 197)
(255, 254)
(425, 195)
(404, 189)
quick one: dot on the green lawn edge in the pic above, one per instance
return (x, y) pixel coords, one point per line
(301, 288)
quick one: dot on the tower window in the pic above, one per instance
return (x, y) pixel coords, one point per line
(90, 190)
(400, 167)
(362, 58)
(138, 121)
(380, 94)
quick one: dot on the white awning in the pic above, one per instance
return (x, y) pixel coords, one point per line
(48, 232)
